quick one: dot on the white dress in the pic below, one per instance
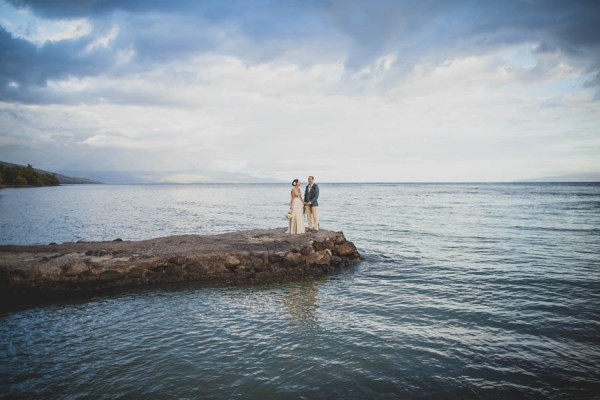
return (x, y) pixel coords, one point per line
(297, 221)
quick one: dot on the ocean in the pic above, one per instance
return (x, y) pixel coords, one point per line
(478, 290)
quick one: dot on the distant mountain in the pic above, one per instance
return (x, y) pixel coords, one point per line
(62, 179)
(166, 177)
(151, 177)
(581, 177)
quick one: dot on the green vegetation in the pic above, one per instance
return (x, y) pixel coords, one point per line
(25, 176)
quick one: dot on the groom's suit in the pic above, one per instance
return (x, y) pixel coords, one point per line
(311, 194)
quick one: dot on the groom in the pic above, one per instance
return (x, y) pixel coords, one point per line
(311, 197)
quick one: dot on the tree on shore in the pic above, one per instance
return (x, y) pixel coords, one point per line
(25, 176)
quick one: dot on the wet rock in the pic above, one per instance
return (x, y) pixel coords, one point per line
(21, 273)
(306, 250)
(325, 244)
(135, 272)
(174, 270)
(336, 261)
(339, 239)
(345, 249)
(87, 277)
(276, 257)
(232, 257)
(292, 259)
(319, 258)
(195, 268)
(110, 275)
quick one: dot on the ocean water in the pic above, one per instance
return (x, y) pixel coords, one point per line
(485, 291)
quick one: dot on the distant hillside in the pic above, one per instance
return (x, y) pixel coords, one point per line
(62, 179)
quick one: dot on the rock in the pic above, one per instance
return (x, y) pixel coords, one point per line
(306, 250)
(195, 268)
(21, 273)
(135, 272)
(276, 257)
(87, 276)
(232, 257)
(110, 275)
(339, 239)
(325, 244)
(319, 258)
(231, 262)
(178, 260)
(74, 270)
(292, 259)
(336, 261)
(345, 249)
(174, 270)
(49, 271)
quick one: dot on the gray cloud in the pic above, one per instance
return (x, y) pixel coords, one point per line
(356, 32)
(441, 30)
(26, 68)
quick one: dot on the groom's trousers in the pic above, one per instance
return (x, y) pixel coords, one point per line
(312, 215)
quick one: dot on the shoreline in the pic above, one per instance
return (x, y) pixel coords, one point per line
(255, 256)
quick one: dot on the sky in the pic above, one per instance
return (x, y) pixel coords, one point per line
(347, 91)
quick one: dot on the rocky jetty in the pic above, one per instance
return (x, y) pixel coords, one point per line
(249, 256)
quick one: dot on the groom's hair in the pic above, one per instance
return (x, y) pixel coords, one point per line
(312, 177)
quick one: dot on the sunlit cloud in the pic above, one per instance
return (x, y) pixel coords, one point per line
(22, 23)
(103, 41)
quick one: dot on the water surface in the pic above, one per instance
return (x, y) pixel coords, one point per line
(466, 291)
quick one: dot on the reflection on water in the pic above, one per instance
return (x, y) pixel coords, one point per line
(301, 303)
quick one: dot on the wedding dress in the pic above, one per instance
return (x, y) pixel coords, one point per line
(297, 221)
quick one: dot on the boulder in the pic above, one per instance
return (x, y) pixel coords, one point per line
(345, 249)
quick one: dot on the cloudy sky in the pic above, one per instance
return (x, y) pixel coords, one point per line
(343, 90)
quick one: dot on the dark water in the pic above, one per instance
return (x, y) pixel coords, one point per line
(485, 291)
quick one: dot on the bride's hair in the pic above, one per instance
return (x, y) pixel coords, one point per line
(294, 182)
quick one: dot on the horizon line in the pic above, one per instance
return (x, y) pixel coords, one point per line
(328, 182)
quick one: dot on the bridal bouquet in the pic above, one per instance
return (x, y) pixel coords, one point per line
(288, 215)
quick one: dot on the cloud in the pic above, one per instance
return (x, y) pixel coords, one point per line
(455, 120)
(383, 90)
(124, 38)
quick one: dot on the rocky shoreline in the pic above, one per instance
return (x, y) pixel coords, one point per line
(237, 257)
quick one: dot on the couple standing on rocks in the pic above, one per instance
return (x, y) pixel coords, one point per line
(298, 206)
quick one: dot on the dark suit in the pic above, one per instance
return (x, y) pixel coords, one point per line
(312, 196)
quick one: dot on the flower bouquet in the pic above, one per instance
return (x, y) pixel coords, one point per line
(288, 215)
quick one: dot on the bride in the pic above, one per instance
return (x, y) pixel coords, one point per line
(297, 209)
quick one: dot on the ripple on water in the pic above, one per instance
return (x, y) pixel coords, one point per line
(466, 291)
